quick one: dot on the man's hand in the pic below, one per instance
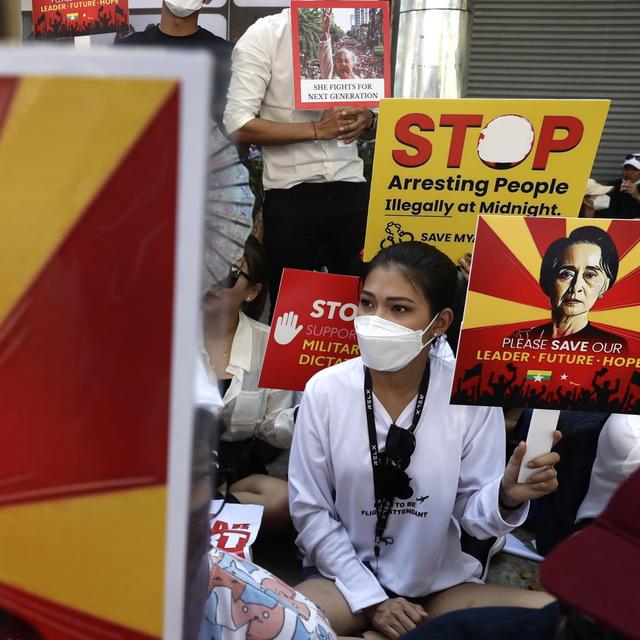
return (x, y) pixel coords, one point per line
(356, 121)
(630, 188)
(513, 493)
(333, 122)
(395, 617)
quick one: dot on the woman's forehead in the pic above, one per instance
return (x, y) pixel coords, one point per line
(390, 281)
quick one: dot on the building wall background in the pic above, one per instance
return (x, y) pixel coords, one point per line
(10, 19)
(563, 49)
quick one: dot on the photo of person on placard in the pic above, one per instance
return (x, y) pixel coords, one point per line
(575, 273)
(341, 44)
(338, 65)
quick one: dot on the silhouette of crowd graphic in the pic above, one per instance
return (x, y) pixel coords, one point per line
(537, 392)
(59, 25)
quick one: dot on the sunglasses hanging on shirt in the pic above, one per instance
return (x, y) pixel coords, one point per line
(390, 479)
(390, 476)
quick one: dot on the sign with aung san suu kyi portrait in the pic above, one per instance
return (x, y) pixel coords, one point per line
(552, 317)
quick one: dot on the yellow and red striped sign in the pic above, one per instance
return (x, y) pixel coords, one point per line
(88, 176)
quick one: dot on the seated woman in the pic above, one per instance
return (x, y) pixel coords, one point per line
(384, 472)
(256, 420)
(617, 457)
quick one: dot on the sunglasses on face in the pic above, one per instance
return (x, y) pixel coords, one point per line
(229, 281)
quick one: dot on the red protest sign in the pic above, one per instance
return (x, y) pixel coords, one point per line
(552, 316)
(341, 53)
(312, 327)
(70, 18)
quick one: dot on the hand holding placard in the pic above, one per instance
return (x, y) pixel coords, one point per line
(286, 328)
(540, 438)
(540, 479)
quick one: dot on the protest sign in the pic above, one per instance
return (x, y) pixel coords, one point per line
(312, 327)
(71, 18)
(102, 181)
(552, 318)
(341, 53)
(234, 527)
(440, 163)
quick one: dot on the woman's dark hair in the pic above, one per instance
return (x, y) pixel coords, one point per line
(552, 260)
(257, 264)
(425, 267)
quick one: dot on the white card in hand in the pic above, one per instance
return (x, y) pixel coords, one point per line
(539, 439)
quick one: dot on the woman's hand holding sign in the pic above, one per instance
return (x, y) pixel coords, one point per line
(543, 481)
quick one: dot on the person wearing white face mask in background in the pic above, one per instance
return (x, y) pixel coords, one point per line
(385, 555)
(595, 199)
(179, 28)
(625, 194)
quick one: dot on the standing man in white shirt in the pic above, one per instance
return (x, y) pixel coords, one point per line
(316, 197)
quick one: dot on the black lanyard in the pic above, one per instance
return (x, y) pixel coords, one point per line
(383, 505)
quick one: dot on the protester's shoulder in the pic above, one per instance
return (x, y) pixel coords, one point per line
(149, 35)
(622, 430)
(339, 377)
(272, 24)
(218, 43)
(257, 328)
(442, 362)
(259, 333)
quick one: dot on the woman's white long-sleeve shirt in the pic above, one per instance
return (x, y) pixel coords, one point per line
(250, 411)
(455, 474)
(617, 457)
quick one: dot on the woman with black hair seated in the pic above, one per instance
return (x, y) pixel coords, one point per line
(384, 472)
(258, 423)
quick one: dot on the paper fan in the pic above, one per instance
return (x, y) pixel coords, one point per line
(229, 208)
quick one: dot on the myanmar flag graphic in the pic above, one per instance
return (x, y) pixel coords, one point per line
(538, 376)
(88, 176)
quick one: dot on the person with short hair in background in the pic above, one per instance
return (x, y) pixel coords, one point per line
(179, 28)
(625, 195)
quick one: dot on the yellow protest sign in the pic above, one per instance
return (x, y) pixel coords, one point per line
(440, 163)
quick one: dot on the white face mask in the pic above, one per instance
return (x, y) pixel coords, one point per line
(387, 346)
(183, 8)
(601, 202)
